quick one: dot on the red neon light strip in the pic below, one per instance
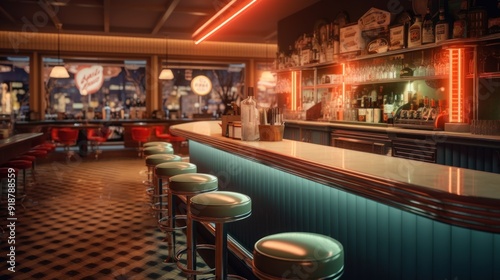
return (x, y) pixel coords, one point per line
(224, 22)
(455, 104)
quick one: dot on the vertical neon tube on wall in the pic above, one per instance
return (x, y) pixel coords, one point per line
(293, 93)
(343, 87)
(456, 85)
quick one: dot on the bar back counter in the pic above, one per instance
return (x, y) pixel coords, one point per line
(396, 218)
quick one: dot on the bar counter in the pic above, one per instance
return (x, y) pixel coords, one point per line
(397, 218)
(18, 144)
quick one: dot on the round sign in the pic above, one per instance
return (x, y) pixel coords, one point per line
(201, 85)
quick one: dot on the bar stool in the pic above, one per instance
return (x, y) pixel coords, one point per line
(37, 153)
(154, 150)
(155, 159)
(96, 138)
(164, 171)
(157, 143)
(140, 134)
(31, 159)
(49, 147)
(151, 162)
(298, 255)
(220, 207)
(67, 137)
(189, 185)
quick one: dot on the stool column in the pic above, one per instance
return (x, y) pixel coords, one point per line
(165, 171)
(221, 251)
(189, 185)
(221, 207)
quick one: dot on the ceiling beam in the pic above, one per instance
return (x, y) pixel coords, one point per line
(165, 16)
(106, 11)
(271, 36)
(52, 14)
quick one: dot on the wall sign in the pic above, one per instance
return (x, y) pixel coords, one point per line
(89, 79)
(201, 85)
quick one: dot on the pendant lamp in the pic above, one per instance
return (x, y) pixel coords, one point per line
(59, 71)
(166, 74)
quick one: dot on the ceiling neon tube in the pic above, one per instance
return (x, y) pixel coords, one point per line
(215, 29)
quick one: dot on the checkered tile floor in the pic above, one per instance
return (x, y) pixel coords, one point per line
(88, 219)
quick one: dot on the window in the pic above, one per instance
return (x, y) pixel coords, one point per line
(93, 88)
(14, 85)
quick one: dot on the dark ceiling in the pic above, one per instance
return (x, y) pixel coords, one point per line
(146, 18)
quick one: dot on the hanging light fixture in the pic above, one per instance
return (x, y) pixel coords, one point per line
(59, 71)
(166, 73)
(225, 15)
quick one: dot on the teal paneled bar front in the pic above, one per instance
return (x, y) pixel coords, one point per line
(382, 240)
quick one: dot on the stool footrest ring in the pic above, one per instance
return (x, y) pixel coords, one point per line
(163, 223)
(157, 206)
(184, 269)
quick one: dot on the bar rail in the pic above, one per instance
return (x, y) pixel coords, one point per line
(456, 196)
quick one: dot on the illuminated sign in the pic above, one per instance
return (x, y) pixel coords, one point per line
(201, 85)
(89, 79)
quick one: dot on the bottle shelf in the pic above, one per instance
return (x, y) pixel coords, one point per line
(399, 80)
(490, 75)
(450, 43)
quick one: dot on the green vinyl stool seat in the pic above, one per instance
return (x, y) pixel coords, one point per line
(157, 143)
(298, 255)
(154, 160)
(157, 205)
(163, 172)
(154, 150)
(189, 185)
(220, 208)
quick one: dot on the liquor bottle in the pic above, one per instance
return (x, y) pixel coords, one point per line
(249, 118)
(442, 27)
(316, 49)
(415, 33)
(388, 108)
(406, 71)
(336, 41)
(380, 97)
(428, 28)
(460, 26)
(478, 20)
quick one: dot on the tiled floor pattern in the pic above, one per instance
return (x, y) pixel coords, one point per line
(88, 220)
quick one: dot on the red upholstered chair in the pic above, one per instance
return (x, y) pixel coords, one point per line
(97, 136)
(67, 137)
(54, 134)
(160, 134)
(177, 141)
(140, 134)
